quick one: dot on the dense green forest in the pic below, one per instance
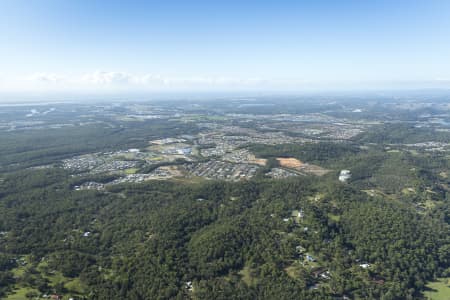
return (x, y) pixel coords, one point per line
(403, 133)
(382, 235)
(229, 239)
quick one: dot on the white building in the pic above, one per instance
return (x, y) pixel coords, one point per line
(344, 175)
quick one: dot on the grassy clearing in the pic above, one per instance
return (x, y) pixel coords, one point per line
(333, 217)
(318, 197)
(379, 193)
(17, 272)
(20, 293)
(74, 286)
(414, 152)
(293, 270)
(429, 204)
(438, 290)
(408, 191)
(247, 277)
(193, 179)
(393, 151)
(131, 171)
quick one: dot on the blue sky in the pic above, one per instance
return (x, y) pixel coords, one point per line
(151, 45)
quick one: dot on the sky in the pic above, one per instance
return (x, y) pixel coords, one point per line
(176, 45)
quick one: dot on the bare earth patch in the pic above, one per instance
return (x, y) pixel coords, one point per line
(259, 161)
(293, 163)
(289, 162)
(313, 169)
(173, 170)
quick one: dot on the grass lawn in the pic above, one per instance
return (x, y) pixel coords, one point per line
(379, 193)
(131, 171)
(293, 270)
(193, 179)
(333, 217)
(17, 272)
(74, 286)
(316, 198)
(247, 276)
(408, 191)
(393, 151)
(20, 294)
(429, 204)
(439, 290)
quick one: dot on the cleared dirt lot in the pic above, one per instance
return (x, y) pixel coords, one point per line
(293, 163)
(290, 162)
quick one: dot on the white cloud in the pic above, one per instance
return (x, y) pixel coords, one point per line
(108, 78)
(102, 80)
(46, 77)
(118, 81)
